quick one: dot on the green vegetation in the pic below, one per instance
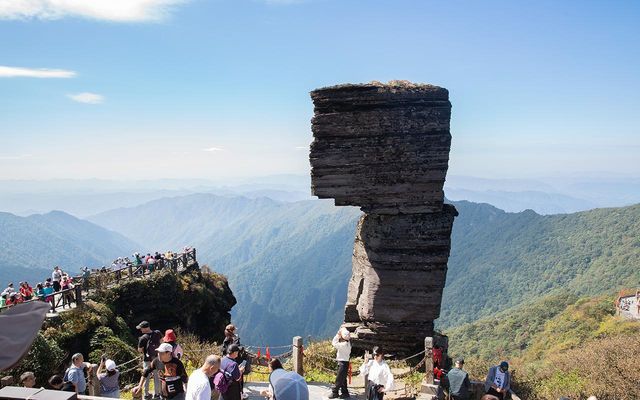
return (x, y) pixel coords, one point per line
(288, 263)
(499, 260)
(197, 303)
(270, 250)
(558, 346)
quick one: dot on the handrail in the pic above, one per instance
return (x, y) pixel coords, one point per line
(181, 261)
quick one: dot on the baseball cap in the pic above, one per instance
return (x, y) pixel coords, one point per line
(164, 347)
(287, 385)
(344, 332)
(143, 324)
(504, 365)
(233, 348)
(110, 365)
(460, 360)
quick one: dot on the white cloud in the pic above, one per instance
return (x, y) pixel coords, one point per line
(19, 72)
(109, 10)
(212, 149)
(86, 98)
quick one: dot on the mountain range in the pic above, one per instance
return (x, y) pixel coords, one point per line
(33, 245)
(289, 263)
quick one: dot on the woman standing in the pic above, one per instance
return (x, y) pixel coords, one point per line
(67, 295)
(379, 373)
(109, 385)
(170, 337)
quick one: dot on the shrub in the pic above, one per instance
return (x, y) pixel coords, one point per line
(44, 357)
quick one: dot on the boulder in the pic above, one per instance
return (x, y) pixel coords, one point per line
(385, 148)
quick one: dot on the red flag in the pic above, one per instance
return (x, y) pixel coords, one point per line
(258, 355)
(350, 373)
(268, 354)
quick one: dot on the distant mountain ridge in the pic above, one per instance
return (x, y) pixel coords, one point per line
(32, 245)
(499, 259)
(289, 263)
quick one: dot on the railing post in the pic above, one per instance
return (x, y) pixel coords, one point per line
(79, 301)
(6, 381)
(94, 383)
(297, 354)
(130, 271)
(194, 254)
(428, 359)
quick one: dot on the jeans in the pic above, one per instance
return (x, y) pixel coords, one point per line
(341, 379)
(156, 380)
(111, 395)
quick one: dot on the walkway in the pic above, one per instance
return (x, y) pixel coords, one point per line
(628, 307)
(317, 391)
(100, 279)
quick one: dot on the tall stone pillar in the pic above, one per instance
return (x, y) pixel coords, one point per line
(385, 148)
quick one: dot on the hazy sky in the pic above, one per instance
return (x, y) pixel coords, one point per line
(212, 88)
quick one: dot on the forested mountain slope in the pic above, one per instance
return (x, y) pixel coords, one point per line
(56, 238)
(289, 263)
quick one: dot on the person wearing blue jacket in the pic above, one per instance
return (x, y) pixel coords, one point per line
(498, 382)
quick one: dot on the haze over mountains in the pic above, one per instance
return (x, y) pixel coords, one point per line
(278, 256)
(32, 245)
(547, 195)
(289, 262)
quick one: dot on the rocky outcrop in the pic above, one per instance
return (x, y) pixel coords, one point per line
(385, 148)
(196, 301)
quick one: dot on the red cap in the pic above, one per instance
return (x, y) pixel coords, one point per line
(169, 336)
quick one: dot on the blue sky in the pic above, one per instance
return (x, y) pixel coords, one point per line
(220, 88)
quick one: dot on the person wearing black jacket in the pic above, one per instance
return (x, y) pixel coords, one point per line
(457, 382)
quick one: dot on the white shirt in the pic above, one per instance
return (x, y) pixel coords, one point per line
(343, 349)
(499, 379)
(379, 373)
(198, 387)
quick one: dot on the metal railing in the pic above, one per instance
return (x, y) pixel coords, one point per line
(100, 279)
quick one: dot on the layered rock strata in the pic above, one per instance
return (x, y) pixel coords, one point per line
(385, 148)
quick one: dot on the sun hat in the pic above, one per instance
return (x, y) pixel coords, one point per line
(169, 336)
(288, 385)
(344, 332)
(110, 365)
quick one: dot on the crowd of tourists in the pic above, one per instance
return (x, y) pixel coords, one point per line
(223, 376)
(60, 281)
(147, 263)
(162, 364)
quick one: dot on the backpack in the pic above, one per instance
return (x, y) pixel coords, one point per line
(155, 339)
(222, 380)
(243, 355)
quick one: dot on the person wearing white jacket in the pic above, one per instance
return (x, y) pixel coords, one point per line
(342, 344)
(378, 373)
